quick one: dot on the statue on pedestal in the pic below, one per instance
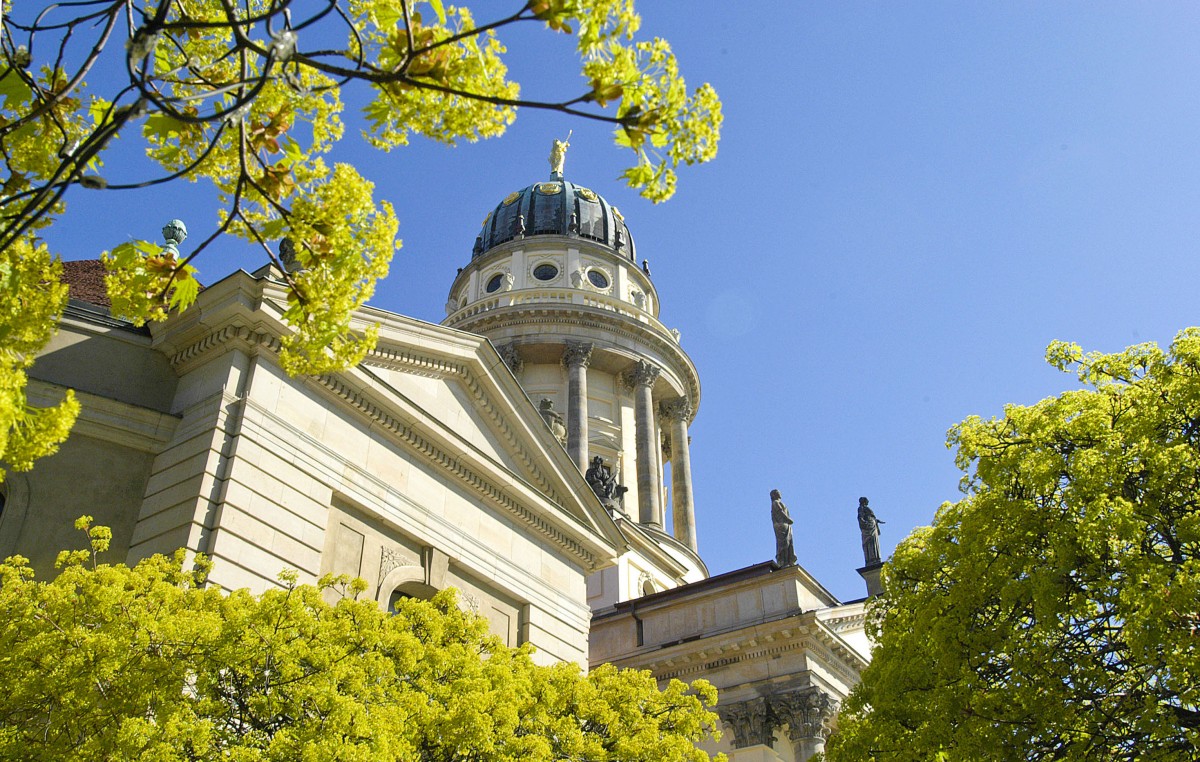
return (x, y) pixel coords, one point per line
(558, 156)
(785, 551)
(868, 524)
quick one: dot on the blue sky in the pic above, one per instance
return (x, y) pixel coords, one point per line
(910, 201)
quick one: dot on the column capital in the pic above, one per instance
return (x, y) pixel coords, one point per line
(749, 722)
(807, 713)
(641, 373)
(511, 357)
(577, 353)
(678, 409)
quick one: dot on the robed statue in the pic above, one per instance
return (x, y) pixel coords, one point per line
(868, 524)
(781, 520)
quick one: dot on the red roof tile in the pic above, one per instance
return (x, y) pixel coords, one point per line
(85, 279)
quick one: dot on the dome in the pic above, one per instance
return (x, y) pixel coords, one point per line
(555, 207)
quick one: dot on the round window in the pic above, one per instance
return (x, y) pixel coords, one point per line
(494, 283)
(545, 272)
(598, 279)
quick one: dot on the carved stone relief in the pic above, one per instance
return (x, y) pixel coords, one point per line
(392, 558)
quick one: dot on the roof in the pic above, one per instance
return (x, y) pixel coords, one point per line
(85, 280)
(556, 207)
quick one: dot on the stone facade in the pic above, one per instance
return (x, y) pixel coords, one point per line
(427, 466)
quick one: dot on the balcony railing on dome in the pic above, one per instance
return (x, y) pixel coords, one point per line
(559, 296)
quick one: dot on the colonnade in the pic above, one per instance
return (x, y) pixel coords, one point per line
(675, 413)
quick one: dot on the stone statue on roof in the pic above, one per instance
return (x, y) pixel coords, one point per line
(781, 520)
(558, 156)
(868, 524)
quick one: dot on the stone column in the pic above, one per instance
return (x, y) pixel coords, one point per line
(683, 510)
(641, 378)
(576, 358)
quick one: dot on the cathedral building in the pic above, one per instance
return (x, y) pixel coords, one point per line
(516, 452)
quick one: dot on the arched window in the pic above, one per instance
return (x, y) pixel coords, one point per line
(418, 590)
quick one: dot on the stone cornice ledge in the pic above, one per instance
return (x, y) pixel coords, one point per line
(110, 420)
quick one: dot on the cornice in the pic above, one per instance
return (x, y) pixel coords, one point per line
(796, 632)
(240, 336)
(110, 420)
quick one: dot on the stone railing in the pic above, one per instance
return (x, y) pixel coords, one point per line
(560, 297)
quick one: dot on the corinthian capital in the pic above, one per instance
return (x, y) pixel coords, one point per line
(678, 409)
(577, 353)
(807, 713)
(641, 373)
(749, 722)
(511, 357)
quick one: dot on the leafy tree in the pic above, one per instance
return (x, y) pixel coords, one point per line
(113, 662)
(247, 95)
(1054, 611)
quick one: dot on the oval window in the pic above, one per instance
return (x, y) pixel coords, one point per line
(494, 283)
(598, 279)
(545, 272)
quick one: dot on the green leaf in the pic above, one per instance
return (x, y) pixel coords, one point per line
(439, 10)
(14, 90)
(162, 127)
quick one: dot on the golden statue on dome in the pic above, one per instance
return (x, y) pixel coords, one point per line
(558, 155)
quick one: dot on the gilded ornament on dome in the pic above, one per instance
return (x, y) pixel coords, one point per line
(512, 197)
(487, 219)
(617, 213)
(587, 194)
(549, 189)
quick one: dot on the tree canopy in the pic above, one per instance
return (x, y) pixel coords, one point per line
(248, 97)
(1054, 611)
(113, 662)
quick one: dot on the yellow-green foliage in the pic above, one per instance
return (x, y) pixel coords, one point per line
(248, 97)
(112, 662)
(1053, 612)
(31, 299)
